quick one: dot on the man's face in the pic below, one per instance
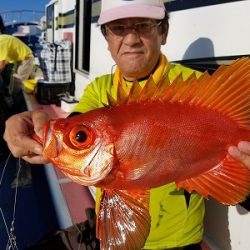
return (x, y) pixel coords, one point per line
(135, 51)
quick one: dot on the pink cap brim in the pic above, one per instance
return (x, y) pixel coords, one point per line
(136, 10)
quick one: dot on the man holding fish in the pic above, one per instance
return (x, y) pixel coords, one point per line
(134, 31)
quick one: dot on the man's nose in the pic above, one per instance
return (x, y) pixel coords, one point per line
(132, 37)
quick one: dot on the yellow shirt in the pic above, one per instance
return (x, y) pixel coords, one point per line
(13, 49)
(173, 222)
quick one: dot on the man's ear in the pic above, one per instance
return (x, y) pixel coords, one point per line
(164, 33)
(163, 39)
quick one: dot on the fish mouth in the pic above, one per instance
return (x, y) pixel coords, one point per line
(51, 147)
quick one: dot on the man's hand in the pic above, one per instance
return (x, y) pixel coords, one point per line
(241, 152)
(18, 135)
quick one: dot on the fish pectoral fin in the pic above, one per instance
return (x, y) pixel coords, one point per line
(228, 183)
(123, 220)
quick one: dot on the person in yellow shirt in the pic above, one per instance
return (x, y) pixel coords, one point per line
(14, 51)
(135, 31)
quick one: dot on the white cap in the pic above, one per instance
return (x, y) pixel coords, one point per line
(117, 9)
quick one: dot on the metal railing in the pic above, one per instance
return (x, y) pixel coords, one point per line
(17, 16)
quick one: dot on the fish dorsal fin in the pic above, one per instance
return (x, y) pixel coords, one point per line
(111, 100)
(134, 92)
(123, 220)
(191, 88)
(170, 91)
(227, 183)
(227, 91)
(160, 88)
(148, 90)
(122, 95)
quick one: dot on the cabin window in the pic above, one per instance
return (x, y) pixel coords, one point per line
(50, 16)
(83, 27)
(174, 5)
(50, 23)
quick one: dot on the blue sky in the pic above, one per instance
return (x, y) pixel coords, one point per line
(14, 5)
(6, 5)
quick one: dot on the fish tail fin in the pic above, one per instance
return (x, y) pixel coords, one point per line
(227, 183)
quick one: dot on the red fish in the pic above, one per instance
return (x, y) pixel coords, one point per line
(152, 136)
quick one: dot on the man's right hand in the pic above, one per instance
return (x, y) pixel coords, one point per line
(18, 135)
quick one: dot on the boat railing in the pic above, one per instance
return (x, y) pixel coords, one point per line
(17, 16)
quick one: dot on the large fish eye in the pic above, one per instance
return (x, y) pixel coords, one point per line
(81, 137)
